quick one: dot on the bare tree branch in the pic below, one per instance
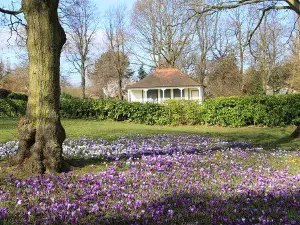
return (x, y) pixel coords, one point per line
(14, 13)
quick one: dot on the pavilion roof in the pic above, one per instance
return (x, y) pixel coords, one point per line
(168, 77)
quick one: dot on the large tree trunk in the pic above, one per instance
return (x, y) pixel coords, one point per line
(40, 131)
(296, 133)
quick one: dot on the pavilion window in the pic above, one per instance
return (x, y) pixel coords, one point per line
(177, 94)
(152, 95)
(167, 93)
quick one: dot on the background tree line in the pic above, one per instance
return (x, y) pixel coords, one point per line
(218, 49)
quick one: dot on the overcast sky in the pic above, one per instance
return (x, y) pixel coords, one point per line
(9, 51)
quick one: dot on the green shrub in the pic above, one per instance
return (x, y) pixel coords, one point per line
(18, 96)
(278, 110)
(12, 108)
(184, 112)
(65, 95)
(148, 113)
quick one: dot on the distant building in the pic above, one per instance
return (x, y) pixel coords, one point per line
(163, 84)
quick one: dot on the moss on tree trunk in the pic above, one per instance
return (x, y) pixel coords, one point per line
(40, 131)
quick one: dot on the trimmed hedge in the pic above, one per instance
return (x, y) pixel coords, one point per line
(148, 113)
(12, 108)
(279, 110)
(18, 96)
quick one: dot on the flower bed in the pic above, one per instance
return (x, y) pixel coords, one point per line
(135, 146)
(186, 180)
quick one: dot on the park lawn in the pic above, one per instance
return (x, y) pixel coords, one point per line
(208, 187)
(269, 138)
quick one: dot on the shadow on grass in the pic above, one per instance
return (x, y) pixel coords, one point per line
(81, 163)
(285, 140)
(268, 141)
(8, 123)
(193, 208)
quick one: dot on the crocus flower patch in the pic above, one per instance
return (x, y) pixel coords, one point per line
(161, 179)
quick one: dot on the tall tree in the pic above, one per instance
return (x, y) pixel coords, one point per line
(1, 69)
(224, 77)
(294, 79)
(80, 22)
(253, 84)
(241, 24)
(267, 5)
(267, 48)
(206, 34)
(17, 80)
(162, 31)
(106, 74)
(117, 38)
(40, 131)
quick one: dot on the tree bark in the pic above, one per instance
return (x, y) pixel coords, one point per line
(296, 133)
(82, 80)
(40, 131)
(120, 87)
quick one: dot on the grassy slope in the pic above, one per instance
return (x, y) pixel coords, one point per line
(268, 137)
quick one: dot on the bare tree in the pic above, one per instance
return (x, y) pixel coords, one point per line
(105, 74)
(253, 84)
(267, 48)
(79, 17)
(40, 131)
(279, 77)
(117, 39)
(2, 69)
(267, 6)
(294, 79)
(218, 5)
(162, 31)
(17, 80)
(206, 33)
(224, 77)
(222, 46)
(241, 25)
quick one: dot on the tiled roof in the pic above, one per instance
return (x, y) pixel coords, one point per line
(169, 77)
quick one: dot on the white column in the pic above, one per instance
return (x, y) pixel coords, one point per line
(128, 96)
(201, 94)
(163, 94)
(172, 94)
(158, 96)
(146, 95)
(181, 95)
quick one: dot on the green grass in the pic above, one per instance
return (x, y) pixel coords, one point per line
(267, 137)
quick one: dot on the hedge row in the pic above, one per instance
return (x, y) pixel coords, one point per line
(280, 110)
(148, 113)
(4, 94)
(12, 107)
